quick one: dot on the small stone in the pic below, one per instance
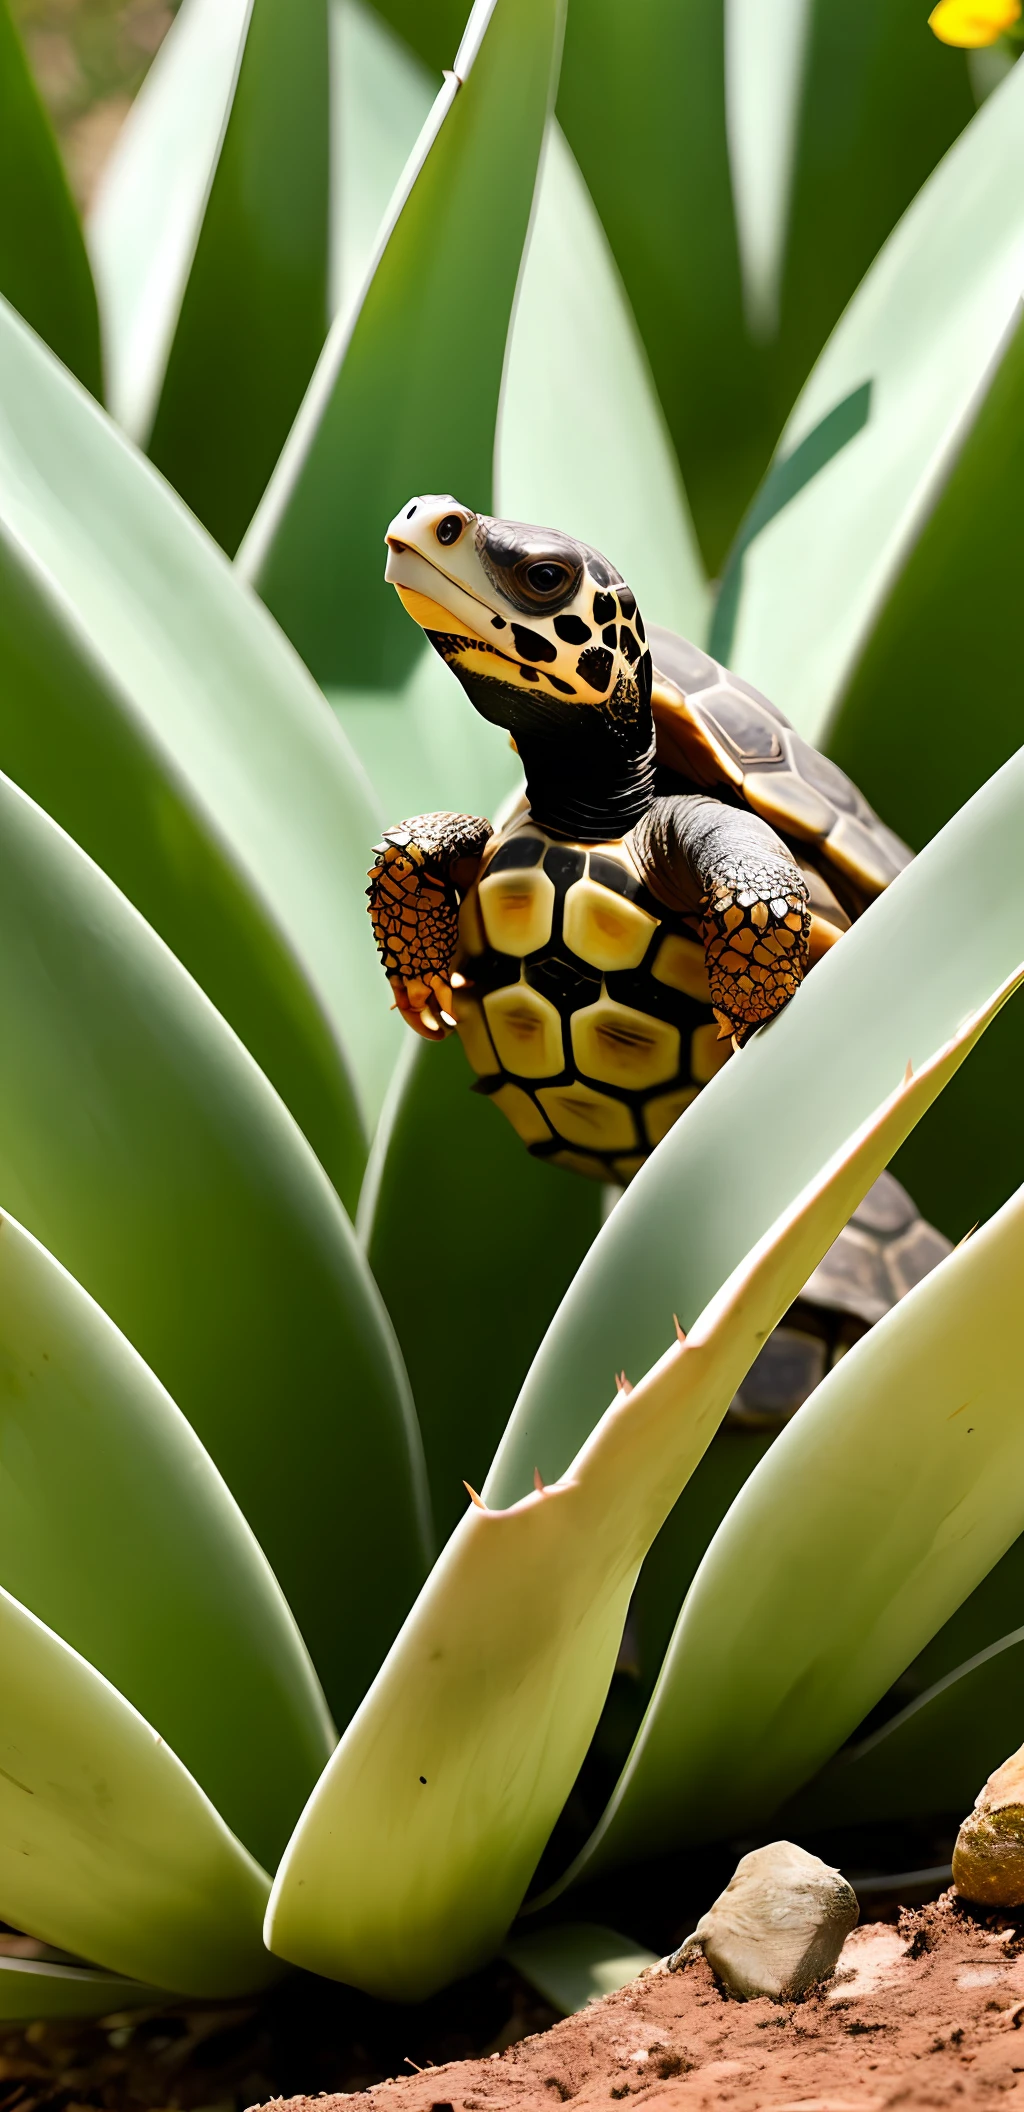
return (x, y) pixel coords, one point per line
(778, 1927)
(988, 1860)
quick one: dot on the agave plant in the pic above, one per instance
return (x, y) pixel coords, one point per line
(276, 1286)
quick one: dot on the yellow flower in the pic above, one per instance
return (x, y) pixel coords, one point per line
(972, 23)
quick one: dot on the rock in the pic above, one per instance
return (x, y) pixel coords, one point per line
(988, 1860)
(778, 1927)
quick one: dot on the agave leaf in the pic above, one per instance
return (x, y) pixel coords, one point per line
(913, 1449)
(421, 1836)
(405, 396)
(932, 1757)
(432, 31)
(468, 1307)
(44, 270)
(211, 240)
(576, 1962)
(31, 1988)
(108, 1848)
(624, 494)
(887, 994)
(879, 425)
(118, 1532)
(380, 99)
(147, 701)
(668, 215)
(142, 1146)
(811, 89)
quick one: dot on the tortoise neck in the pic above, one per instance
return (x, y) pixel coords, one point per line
(587, 798)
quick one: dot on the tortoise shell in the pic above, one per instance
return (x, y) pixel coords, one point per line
(885, 1250)
(586, 1011)
(715, 730)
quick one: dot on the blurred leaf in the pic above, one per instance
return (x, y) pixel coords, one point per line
(932, 1757)
(107, 1846)
(577, 1962)
(44, 270)
(978, 1622)
(405, 397)
(924, 334)
(210, 239)
(881, 104)
(913, 1447)
(432, 31)
(141, 1145)
(420, 1838)
(468, 1309)
(150, 705)
(621, 493)
(116, 1530)
(772, 1115)
(31, 1988)
(642, 102)
(380, 97)
(424, 747)
(948, 631)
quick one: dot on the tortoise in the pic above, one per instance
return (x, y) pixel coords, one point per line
(679, 858)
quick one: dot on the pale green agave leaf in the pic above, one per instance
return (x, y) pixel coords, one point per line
(420, 1839)
(211, 247)
(582, 441)
(765, 70)
(142, 1146)
(468, 1309)
(886, 995)
(576, 1962)
(931, 1757)
(32, 1988)
(118, 1532)
(879, 425)
(879, 1507)
(380, 99)
(108, 1848)
(150, 704)
(405, 396)
(44, 270)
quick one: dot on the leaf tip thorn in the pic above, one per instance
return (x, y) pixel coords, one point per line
(478, 1500)
(622, 1384)
(680, 1331)
(537, 1481)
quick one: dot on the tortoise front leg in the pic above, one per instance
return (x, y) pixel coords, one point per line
(728, 867)
(422, 867)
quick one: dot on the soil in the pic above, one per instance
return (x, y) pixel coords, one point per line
(929, 2012)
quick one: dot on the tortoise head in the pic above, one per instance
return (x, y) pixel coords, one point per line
(541, 630)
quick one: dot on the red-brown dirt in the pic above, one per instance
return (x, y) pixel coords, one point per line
(927, 2014)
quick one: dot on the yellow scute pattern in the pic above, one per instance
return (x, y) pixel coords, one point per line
(518, 1108)
(517, 909)
(666, 1108)
(680, 963)
(526, 1031)
(623, 1047)
(604, 929)
(708, 1052)
(474, 1036)
(582, 1116)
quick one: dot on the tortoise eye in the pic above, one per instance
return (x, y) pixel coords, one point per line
(546, 577)
(450, 529)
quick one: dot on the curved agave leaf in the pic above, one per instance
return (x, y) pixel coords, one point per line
(210, 241)
(913, 1449)
(577, 1962)
(620, 492)
(44, 270)
(117, 1531)
(31, 1988)
(421, 1836)
(405, 396)
(107, 1846)
(142, 1146)
(148, 702)
(886, 994)
(879, 425)
(380, 100)
(468, 1307)
(932, 1757)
